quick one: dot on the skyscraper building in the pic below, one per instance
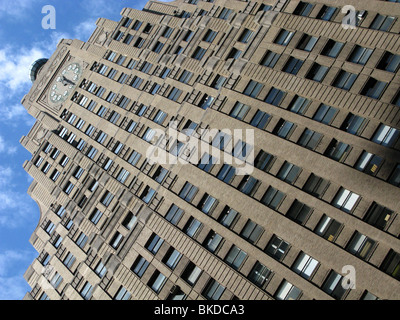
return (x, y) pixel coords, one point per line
(220, 150)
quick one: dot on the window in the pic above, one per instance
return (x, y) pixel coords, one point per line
(206, 102)
(299, 212)
(192, 226)
(277, 248)
(264, 161)
(260, 274)
(305, 265)
(242, 150)
(249, 185)
(316, 186)
(245, 36)
(344, 80)
(140, 266)
(107, 198)
(81, 241)
(206, 162)
(395, 176)
(289, 172)
(210, 35)
(252, 231)
(149, 135)
(337, 150)
(147, 28)
(95, 216)
(86, 292)
(326, 13)
(386, 136)
(218, 82)
(287, 291)
(270, 59)
(227, 173)
(382, 23)
(188, 192)
(122, 294)
(354, 124)
(275, 97)
(136, 25)
(158, 47)
(253, 89)
(333, 285)
(235, 257)
(284, 129)
(345, 200)
(360, 55)
(129, 221)
(134, 157)
(374, 88)
(328, 228)
(56, 280)
(78, 172)
(68, 187)
(222, 140)
(317, 72)
(310, 139)
(378, 216)
(147, 194)
(293, 65)
(284, 37)
(167, 32)
(185, 76)
(360, 245)
(189, 34)
(199, 53)
(228, 217)
(154, 243)
(191, 273)
(174, 94)
(225, 14)
(307, 43)
(391, 264)
(389, 62)
(172, 258)
(136, 82)
(325, 114)
(273, 198)
(174, 214)
(332, 48)
(303, 9)
(208, 204)
(368, 163)
(213, 290)
(100, 269)
(212, 241)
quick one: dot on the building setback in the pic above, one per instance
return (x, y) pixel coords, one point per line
(315, 216)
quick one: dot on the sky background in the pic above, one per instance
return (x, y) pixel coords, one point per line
(23, 40)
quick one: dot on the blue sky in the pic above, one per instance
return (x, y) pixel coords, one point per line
(23, 40)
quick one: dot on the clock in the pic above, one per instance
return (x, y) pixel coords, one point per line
(65, 83)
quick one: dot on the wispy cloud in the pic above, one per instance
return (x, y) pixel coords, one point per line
(12, 264)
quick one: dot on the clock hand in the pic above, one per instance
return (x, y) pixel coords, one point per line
(66, 81)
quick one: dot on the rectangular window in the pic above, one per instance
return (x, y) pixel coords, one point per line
(225, 14)
(299, 212)
(275, 97)
(317, 72)
(303, 9)
(293, 65)
(253, 89)
(332, 48)
(307, 43)
(174, 214)
(325, 114)
(260, 274)
(210, 35)
(277, 248)
(305, 265)
(337, 150)
(207, 204)
(213, 290)
(378, 216)
(212, 241)
(235, 257)
(172, 258)
(389, 62)
(345, 200)
(310, 139)
(199, 53)
(192, 227)
(316, 186)
(95, 216)
(239, 111)
(289, 172)
(326, 13)
(140, 266)
(344, 80)
(284, 37)
(395, 176)
(385, 136)
(284, 129)
(391, 264)
(368, 163)
(270, 59)
(228, 217)
(373, 88)
(154, 243)
(354, 124)
(360, 55)
(245, 36)
(191, 274)
(252, 231)
(382, 23)
(328, 228)
(273, 198)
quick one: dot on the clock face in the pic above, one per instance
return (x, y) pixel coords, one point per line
(65, 83)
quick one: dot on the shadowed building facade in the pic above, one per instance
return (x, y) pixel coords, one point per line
(316, 217)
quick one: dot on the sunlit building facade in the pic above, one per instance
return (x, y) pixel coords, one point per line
(313, 89)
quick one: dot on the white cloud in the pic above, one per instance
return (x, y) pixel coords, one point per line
(15, 9)
(12, 264)
(6, 148)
